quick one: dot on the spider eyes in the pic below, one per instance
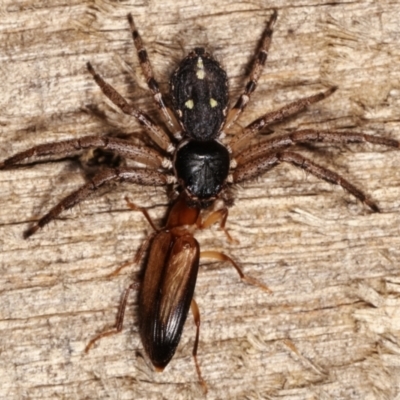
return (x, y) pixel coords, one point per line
(189, 104)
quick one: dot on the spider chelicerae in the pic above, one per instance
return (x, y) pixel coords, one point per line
(195, 156)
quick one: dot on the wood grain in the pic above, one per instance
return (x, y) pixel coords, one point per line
(331, 328)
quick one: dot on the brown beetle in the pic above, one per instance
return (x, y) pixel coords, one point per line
(196, 159)
(167, 287)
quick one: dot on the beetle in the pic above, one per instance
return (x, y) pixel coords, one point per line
(201, 165)
(167, 287)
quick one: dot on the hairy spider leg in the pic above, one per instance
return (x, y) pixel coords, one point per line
(258, 65)
(156, 134)
(309, 136)
(123, 147)
(243, 137)
(141, 176)
(152, 84)
(260, 165)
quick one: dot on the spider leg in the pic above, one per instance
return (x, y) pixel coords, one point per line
(146, 177)
(152, 84)
(263, 164)
(123, 147)
(311, 135)
(243, 137)
(156, 134)
(258, 64)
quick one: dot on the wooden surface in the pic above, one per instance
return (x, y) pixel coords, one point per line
(331, 328)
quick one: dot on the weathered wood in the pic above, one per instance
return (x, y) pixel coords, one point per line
(331, 328)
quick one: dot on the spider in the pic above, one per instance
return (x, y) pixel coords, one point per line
(195, 157)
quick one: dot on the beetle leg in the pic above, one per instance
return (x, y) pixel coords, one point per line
(133, 175)
(196, 315)
(245, 278)
(134, 207)
(119, 320)
(144, 246)
(138, 256)
(215, 216)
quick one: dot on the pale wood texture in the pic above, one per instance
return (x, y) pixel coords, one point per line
(331, 328)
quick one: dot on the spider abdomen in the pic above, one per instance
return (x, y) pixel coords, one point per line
(199, 90)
